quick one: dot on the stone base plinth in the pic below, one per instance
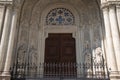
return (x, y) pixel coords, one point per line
(115, 76)
(5, 77)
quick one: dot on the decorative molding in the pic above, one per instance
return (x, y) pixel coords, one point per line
(110, 3)
(4, 2)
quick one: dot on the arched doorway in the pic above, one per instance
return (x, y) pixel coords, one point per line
(58, 19)
(60, 41)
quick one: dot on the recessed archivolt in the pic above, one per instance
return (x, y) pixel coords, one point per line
(77, 6)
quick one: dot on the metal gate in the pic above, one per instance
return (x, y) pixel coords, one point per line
(67, 71)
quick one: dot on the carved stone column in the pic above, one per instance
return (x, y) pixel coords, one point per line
(10, 46)
(118, 16)
(111, 60)
(115, 33)
(2, 16)
(5, 35)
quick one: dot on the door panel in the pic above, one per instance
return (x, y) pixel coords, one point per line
(68, 48)
(60, 54)
(52, 49)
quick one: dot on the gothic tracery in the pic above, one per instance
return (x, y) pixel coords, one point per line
(60, 16)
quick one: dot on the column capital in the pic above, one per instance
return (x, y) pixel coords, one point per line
(110, 3)
(15, 4)
(105, 9)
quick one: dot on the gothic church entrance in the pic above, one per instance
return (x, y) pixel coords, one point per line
(58, 38)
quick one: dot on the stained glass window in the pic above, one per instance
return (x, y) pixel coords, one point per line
(60, 16)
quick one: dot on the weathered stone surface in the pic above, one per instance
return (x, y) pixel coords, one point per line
(1, 17)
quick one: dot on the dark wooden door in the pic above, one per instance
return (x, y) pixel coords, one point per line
(60, 55)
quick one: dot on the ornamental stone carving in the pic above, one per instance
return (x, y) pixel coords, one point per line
(21, 54)
(87, 53)
(32, 54)
(109, 3)
(98, 57)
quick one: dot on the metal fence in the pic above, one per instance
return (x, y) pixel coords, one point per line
(60, 71)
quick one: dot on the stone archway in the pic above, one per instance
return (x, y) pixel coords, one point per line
(59, 29)
(46, 29)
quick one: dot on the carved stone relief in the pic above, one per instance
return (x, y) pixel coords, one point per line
(22, 51)
(87, 59)
(97, 39)
(98, 57)
(24, 31)
(32, 53)
(87, 54)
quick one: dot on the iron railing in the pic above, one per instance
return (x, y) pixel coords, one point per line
(42, 71)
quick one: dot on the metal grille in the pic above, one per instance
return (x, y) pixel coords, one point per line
(60, 71)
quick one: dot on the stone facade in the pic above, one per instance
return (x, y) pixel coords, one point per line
(24, 28)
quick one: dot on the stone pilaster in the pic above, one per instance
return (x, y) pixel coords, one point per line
(115, 37)
(118, 16)
(2, 11)
(6, 72)
(111, 60)
(115, 33)
(5, 35)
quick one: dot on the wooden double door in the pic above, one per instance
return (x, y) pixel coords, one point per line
(60, 54)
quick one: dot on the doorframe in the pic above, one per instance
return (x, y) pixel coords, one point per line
(46, 29)
(57, 29)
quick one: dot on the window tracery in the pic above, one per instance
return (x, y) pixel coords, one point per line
(60, 16)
